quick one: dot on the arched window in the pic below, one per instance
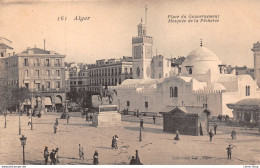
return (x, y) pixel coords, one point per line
(171, 91)
(175, 92)
(190, 71)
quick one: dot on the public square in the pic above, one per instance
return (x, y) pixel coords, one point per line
(157, 147)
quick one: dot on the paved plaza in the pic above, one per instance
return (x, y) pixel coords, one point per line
(157, 147)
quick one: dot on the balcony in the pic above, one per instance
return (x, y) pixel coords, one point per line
(57, 65)
(36, 64)
(47, 65)
(26, 64)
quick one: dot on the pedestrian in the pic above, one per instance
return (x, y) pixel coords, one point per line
(68, 118)
(113, 142)
(215, 128)
(132, 161)
(52, 157)
(116, 141)
(87, 118)
(234, 134)
(46, 155)
(137, 159)
(29, 121)
(90, 117)
(229, 151)
(142, 123)
(177, 138)
(57, 123)
(137, 113)
(154, 119)
(81, 152)
(210, 135)
(95, 158)
(201, 131)
(55, 128)
(57, 155)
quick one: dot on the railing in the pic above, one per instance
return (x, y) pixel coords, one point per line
(57, 65)
(25, 64)
(47, 65)
(36, 64)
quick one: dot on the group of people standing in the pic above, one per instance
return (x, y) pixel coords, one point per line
(115, 139)
(54, 156)
(81, 155)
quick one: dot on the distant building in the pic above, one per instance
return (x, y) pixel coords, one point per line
(240, 70)
(110, 72)
(78, 78)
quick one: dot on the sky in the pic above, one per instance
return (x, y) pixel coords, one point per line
(113, 23)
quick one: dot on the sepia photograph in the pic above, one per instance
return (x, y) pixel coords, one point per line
(130, 82)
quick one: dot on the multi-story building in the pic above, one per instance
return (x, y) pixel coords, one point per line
(42, 72)
(110, 72)
(78, 78)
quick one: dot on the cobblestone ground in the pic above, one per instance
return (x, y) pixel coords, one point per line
(157, 147)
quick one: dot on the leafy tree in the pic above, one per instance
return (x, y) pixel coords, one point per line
(19, 95)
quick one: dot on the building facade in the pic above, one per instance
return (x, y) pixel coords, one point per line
(42, 72)
(109, 72)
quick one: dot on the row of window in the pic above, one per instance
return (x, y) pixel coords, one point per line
(37, 62)
(109, 71)
(37, 73)
(47, 86)
(103, 82)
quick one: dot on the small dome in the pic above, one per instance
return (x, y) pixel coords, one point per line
(202, 54)
(214, 86)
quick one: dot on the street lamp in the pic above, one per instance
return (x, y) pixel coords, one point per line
(23, 143)
(5, 117)
(19, 122)
(140, 136)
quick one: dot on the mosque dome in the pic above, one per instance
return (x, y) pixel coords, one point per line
(200, 61)
(202, 54)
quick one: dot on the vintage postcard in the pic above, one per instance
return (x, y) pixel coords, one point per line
(122, 82)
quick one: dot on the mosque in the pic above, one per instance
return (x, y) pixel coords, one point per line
(203, 82)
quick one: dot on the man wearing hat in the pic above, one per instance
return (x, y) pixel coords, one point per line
(57, 155)
(229, 151)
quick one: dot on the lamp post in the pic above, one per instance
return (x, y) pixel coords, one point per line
(31, 112)
(19, 123)
(140, 136)
(23, 143)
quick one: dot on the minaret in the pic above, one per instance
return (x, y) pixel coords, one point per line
(256, 50)
(142, 51)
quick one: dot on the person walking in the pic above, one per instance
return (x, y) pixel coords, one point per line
(113, 142)
(177, 138)
(142, 123)
(81, 152)
(132, 161)
(29, 121)
(87, 118)
(57, 122)
(210, 135)
(52, 157)
(95, 158)
(116, 141)
(55, 128)
(57, 155)
(90, 117)
(46, 155)
(154, 118)
(215, 128)
(68, 118)
(234, 134)
(229, 151)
